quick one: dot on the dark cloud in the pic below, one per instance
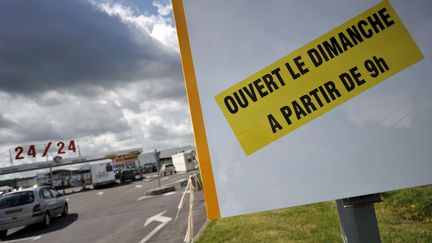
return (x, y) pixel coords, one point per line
(160, 89)
(81, 70)
(160, 131)
(157, 132)
(95, 120)
(5, 123)
(60, 45)
(64, 118)
(34, 130)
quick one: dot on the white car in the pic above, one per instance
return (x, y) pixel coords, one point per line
(30, 206)
(167, 169)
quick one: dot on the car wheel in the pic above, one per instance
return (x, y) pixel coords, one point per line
(3, 234)
(65, 210)
(47, 220)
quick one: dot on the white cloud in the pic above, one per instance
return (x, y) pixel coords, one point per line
(159, 27)
(163, 9)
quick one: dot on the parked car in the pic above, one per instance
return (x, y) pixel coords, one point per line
(149, 167)
(167, 168)
(126, 175)
(30, 206)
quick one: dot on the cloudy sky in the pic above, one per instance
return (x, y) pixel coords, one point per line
(105, 73)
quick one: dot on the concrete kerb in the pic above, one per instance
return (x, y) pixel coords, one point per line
(159, 191)
(179, 184)
(167, 188)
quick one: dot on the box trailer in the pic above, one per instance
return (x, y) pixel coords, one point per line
(102, 175)
(184, 161)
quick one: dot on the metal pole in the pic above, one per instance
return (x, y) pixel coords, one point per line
(50, 175)
(11, 160)
(358, 220)
(156, 155)
(139, 167)
(79, 150)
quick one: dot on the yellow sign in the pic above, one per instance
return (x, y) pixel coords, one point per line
(318, 77)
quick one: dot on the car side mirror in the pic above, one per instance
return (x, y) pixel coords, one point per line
(59, 195)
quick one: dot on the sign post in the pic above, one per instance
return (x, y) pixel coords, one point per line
(10, 155)
(50, 175)
(156, 155)
(358, 220)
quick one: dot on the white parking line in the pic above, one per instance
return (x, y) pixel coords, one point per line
(138, 186)
(177, 181)
(169, 193)
(143, 197)
(159, 218)
(25, 239)
(164, 179)
(100, 193)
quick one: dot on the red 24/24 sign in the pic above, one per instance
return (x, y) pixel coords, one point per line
(42, 150)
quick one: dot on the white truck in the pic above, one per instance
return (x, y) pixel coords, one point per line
(102, 175)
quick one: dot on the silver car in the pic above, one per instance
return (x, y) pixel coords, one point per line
(167, 168)
(30, 206)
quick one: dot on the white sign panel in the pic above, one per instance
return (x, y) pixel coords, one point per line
(296, 102)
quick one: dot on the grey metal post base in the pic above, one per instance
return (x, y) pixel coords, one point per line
(358, 220)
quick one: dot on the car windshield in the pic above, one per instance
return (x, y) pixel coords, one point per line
(128, 172)
(16, 199)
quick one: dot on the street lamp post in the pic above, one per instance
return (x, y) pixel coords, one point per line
(11, 160)
(156, 155)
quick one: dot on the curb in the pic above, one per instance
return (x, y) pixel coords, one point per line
(181, 184)
(159, 191)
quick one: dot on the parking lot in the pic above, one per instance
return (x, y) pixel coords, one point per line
(120, 214)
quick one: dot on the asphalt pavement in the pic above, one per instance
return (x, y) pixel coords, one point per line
(120, 214)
